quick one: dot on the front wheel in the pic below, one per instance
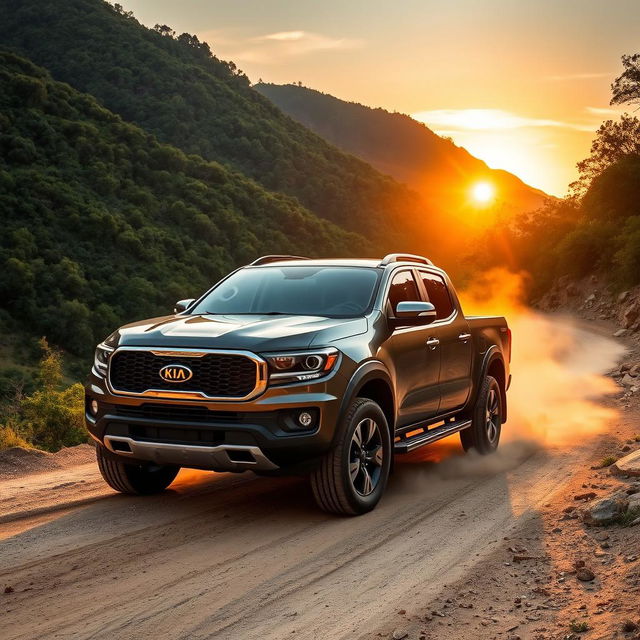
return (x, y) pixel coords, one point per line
(486, 423)
(141, 479)
(352, 476)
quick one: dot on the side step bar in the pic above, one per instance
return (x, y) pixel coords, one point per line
(429, 436)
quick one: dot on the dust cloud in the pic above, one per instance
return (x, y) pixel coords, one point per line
(558, 384)
(555, 399)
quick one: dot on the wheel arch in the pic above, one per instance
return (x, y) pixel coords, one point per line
(494, 366)
(372, 380)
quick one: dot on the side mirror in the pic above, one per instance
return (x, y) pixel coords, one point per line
(183, 305)
(411, 312)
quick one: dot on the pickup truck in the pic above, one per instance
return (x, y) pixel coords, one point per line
(293, 365)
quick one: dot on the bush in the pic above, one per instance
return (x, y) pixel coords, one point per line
(9, 438)
(50, 418)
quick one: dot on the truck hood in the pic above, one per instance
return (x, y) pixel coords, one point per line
(258, 333)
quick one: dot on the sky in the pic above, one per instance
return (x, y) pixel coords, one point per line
(522, 84)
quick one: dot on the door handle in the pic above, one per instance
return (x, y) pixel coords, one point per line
(464, 336)
(432, 343)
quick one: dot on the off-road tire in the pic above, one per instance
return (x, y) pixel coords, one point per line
(332, 484)
(486, 420)
(137, 479)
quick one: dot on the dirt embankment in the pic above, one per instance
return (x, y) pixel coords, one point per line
(18, 461)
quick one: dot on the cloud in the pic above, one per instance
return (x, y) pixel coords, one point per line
(284, 36)
(581, 76)
(603, 112)
(455, 120)
(276, 47)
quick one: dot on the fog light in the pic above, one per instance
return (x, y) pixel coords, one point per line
(94, 407)
(305, 418)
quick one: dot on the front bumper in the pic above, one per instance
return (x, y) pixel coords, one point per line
(260, 434)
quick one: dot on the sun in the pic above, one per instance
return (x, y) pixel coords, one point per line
(483, 192)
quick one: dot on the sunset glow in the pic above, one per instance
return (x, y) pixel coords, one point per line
(532, 115)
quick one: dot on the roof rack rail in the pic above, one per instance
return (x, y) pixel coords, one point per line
(275, 258)
(403, 257)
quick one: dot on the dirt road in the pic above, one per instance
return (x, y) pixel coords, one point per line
(234, 556)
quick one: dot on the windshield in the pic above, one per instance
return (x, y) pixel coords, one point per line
(308, 291)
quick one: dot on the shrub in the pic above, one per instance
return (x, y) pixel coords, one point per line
(9, 438)
(49, 418)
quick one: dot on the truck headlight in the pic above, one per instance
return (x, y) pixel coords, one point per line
(301, 366)
(101, 359)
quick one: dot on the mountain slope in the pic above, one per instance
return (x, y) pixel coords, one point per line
(174, 88)
(399, 146)
(102, 224)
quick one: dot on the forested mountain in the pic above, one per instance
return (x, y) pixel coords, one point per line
(401, 147)
(103, 224)
(172, 86)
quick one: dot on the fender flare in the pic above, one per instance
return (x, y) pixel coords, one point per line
(493, 354)
(369, 370)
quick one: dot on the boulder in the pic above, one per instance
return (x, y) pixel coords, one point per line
(606, 510)
(619, 333)
(630, 316)
(635, 370)
(627, 466)
(627, 380)
(623, 296)
(634, 502)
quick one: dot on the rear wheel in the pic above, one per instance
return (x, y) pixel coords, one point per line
(352, 476)
(142, 479)
(484, 433)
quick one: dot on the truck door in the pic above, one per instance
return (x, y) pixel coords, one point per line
(456, 346)
(416, 363)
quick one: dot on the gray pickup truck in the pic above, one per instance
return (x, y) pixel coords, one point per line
(295, 366)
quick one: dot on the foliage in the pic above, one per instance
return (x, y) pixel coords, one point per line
(628, 517)
(626, 87)
(579, 626)
(607, 461)
(103, 224)
(613, 142)
(50, 418)
(173, 87)
(9, 438)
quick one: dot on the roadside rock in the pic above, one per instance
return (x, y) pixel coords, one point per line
(634, 502)
(620, 333)
(627, 380)
(627, 466)
(399, 634)
(606, 510)
(585, 575)
(623, 296)
(630, 315)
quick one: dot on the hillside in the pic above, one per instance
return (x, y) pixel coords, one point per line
(103, 224)
(400, 147)
(172, 86)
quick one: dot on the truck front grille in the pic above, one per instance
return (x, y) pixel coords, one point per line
(214, 375)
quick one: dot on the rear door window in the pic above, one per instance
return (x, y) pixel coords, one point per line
(438, 294)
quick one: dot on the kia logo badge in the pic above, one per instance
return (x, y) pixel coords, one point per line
(175, 373)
